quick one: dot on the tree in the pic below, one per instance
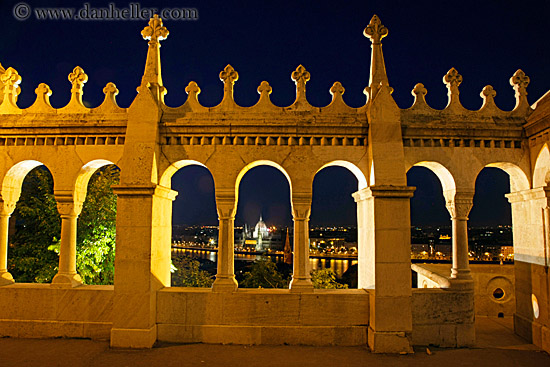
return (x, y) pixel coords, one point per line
(264, 274)
(325, 279)
(37, 227)
(36, 241)
(186, 273)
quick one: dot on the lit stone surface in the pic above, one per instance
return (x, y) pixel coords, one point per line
(378, 143)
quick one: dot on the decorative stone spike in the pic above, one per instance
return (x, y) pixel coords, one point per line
(152, 77)
(452, 80)
(42, 103)
(111, 91)
(375, 30)
(228, 76)
(337, 90)
(419, 92)
(300, 76)
(77, 78)
(520, 81)
(488, 94)
(193, 92)
(264, 89)
(11, 80)
(155, 31)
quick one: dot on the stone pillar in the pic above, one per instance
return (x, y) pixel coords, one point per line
(226, 206)
(69, 210)
(301, 209)
(142, 262)
(459, 203)
(6, 208)
(385, 265)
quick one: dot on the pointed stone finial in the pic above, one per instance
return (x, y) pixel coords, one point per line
(152, 76)
(11, 80)
(488, 94)
(264, 88)
(300, 76)
(77, 78)
(155, 31)
(375, 30)
(111, 91)
(42, 103)
(419, 92)
(520, 81)
(192, 88)
(337, 90)
(228, 76)
(452, 80)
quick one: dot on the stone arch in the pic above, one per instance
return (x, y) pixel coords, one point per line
(166, 177)
(86, 172)
(541, 172)
(13, 180)
(361, 179)
(257, 163)
(518, 178)
(445, 177)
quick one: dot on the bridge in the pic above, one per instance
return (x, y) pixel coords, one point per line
(378, 142)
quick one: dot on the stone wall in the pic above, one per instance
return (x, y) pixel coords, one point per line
(42, 311)
(266, 316)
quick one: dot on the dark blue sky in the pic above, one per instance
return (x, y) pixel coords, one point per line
(486, 41)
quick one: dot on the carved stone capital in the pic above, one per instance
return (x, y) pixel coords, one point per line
(226, 204)
(67, 206)
(459, 203)
(301, 205)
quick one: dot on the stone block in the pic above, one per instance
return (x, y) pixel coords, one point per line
(389, 342)
(133, 338)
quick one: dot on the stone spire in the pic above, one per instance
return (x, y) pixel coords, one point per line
(376, 31)
(152, 76)
(287, 250)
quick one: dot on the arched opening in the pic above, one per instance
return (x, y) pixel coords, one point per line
(333, 226)
(262, 222)
(490, 220)
(194, 225)
(96, 226)
(35, 225)
(430, 220)
(431, 229)
(542, 168)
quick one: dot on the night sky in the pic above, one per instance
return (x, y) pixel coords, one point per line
(486, 41)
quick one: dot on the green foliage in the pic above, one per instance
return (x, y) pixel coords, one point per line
(38, 226)
(95, 260)
(325, 279)
(186, 273)
(36, 241)
(264, 274)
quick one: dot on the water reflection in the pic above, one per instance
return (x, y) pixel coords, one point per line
(339, 266)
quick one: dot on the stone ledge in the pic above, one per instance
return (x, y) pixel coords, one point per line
(263, 335)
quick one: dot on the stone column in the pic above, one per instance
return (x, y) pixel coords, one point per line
(69, 209)
(459, 203)
(384, 240)
(226, 205)
(6, 208)
(301, 209)
(142, 262)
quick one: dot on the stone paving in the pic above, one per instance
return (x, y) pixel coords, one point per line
(497, 346)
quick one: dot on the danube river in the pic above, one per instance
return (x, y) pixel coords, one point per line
(339, 266)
